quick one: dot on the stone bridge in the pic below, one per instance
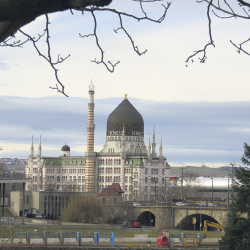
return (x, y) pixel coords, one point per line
(171, 216)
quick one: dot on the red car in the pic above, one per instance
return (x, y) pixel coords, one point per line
(134, 224)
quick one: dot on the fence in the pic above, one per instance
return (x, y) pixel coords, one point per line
(7, 220)
(58, 237)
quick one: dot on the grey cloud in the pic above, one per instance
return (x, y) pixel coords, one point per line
(204, 126)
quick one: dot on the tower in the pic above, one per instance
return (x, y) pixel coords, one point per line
(31, 150)
(153, 145)
(39, 149)
(90, 154)
(149, 151)
(160, 151)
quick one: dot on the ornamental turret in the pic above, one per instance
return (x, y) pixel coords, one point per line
(31, 151)
(39, 155)
(149, 151)
(153, 145)
(160, 151)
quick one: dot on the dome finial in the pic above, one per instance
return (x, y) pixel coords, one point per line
(126, 95)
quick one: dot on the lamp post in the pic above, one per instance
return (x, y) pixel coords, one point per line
(212, 190)
(182, 183)
(232, 192)
(228, 190)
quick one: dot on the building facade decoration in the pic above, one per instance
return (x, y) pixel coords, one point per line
(124, 159)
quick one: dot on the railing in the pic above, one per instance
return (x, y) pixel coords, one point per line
(58, 237)
(12, 176)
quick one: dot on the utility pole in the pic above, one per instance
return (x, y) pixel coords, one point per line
(228, 190)
(212, 190)
(181, 183)
(232, 192)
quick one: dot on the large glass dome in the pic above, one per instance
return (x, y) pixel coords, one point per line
(125, 115)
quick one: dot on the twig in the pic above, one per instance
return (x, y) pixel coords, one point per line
(204, 57)
(120, 15)
(48, 57)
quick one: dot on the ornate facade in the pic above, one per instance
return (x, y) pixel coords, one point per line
(124, 159)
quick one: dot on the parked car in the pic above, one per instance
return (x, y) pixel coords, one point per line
(203, 204)
(148, 204)
(180, 204)
(39, 216)
(211, 205)
(133, 224)
(136, 204)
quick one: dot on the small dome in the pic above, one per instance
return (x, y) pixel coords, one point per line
(65, 148)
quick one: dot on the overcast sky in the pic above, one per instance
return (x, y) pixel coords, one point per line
(201, 110)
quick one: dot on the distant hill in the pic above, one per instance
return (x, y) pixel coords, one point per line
(203, 171)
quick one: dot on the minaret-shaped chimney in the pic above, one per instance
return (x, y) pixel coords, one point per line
(90, 154)
(31, 150)
(153, 145)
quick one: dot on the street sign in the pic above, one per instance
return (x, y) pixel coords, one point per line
(194, 220)
(6, 174)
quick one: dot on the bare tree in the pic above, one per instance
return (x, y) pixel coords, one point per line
(83, 209)
(2, 168)
(14, 14)
(222, 9)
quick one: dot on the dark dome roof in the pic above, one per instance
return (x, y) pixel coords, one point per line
(125, 114)
(65, 148)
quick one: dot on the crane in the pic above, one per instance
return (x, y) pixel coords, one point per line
(210, 224)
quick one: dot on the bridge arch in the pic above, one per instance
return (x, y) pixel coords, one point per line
(187, 222)
(146, 218)
(185, 217)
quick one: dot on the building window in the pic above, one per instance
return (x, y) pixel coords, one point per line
(28, 199)
(103, 200)
(162, 171)
(146, 171)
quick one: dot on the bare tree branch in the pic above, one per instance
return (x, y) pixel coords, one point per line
(100, 48)
(203, 51)
(48, 57)
(120, 15)
(230, 13)
(239, 48)
(8, 27)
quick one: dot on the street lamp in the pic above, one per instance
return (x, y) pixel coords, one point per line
(212, 190)
(228, 189)
(182, 183)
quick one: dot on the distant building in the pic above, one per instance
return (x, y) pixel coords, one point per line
(124, 159)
